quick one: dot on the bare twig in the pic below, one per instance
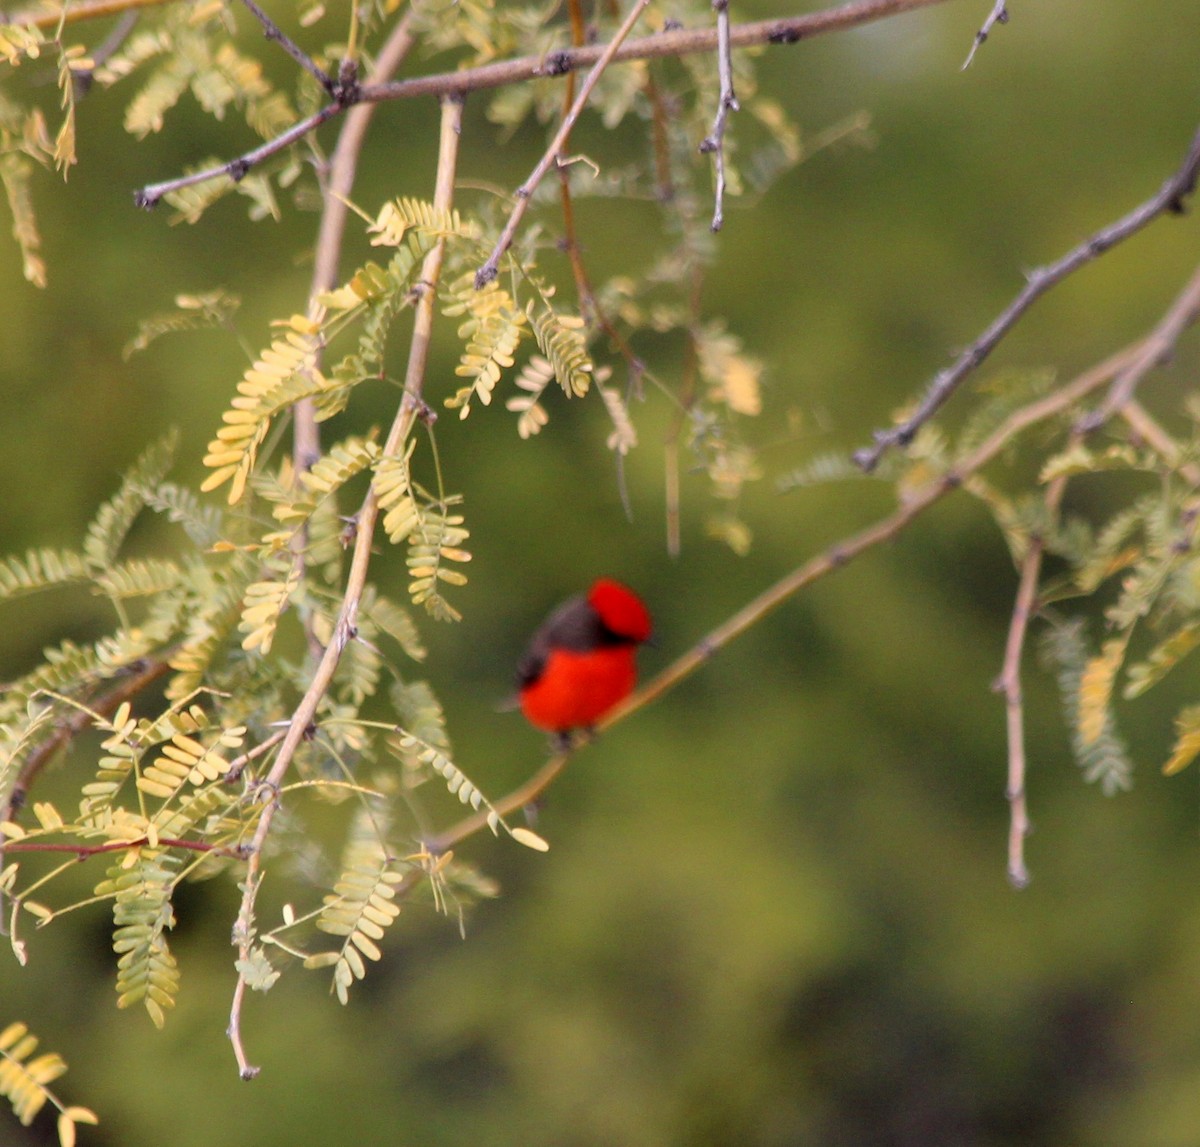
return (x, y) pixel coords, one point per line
(102, 52)
(1170, 198)
(678, 42)
(272, 31)
(553, 153)
(788, 30)
(1009, 683)
(346, 625)
(237, 169)
(726, 102)
(998, 15)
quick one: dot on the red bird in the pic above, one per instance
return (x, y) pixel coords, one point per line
(582, 659)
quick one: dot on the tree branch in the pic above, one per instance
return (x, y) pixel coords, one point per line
(1170, 198)
(76, 723)
(787, 30)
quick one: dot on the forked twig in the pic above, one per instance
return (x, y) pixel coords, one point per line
(1125, 376)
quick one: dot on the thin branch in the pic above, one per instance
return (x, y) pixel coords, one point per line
(75, 13)
(727, 102)
(272, 31)
(1158, 349)
(1009, 683)
(346, 625)
(1170, 198)
(518, 799)
(1149, 431)
(489, 270)
(787, 30)
(338, 183)
(998, 15)
(237, 169)
(677, 42)
(83, 851)
(79, 720)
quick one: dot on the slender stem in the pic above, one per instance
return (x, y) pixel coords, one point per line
(339, 183)
(83, 851)
(998, 15)
(272, 31)
(489, 270)
(726, 102)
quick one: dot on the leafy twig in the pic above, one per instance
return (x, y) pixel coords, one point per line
(998, 15)
(1170, 198)
(81, 719)
(726, 102)
(488, 271)
(1125, 374)
(346, 625)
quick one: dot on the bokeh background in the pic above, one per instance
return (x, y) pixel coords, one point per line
(775, 909)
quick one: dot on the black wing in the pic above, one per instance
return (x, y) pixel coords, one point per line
(573, 625)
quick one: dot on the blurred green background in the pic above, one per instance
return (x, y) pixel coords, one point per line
(775, 909)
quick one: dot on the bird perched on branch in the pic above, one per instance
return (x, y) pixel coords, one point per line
(581, 661)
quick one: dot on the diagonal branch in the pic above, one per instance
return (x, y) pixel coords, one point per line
(1170, 198)
(237, 169)
(488, 271)
(998, 15)
(272, 31)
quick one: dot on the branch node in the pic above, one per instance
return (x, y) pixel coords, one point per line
(558, 64)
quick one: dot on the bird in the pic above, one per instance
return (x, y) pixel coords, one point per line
(581, 661)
